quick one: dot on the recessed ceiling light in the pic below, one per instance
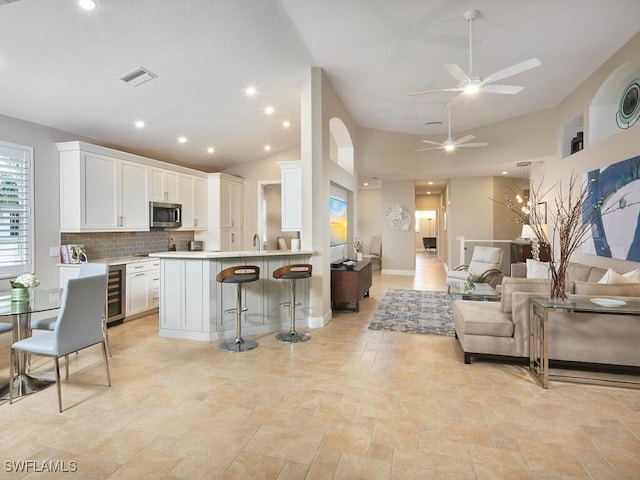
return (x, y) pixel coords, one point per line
(269, 110)
(267, 148)
(139, 124)
(505, 173)
(366, 184)
(428, 193)
(211, 150)
(250, 91)
(182, 139)
(286, 124)
(87, 4)
(430, 183)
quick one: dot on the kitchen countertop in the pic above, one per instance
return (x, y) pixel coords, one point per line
(112, 260)
(234, 254)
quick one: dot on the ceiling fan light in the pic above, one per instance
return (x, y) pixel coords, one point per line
(471, 88)
(449, 148)
(87, 4)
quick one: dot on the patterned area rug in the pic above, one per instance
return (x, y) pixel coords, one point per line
(414, 311)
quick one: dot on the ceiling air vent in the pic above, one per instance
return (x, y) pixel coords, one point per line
(137, 77)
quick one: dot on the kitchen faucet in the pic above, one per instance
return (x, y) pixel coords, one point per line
(257, 242)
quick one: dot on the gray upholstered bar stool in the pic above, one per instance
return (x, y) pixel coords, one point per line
(239, 274)
(292, 273)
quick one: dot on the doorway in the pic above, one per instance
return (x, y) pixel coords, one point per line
(427, 227)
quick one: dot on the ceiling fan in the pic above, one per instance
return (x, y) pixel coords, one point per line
(449, 145)
(471, 83)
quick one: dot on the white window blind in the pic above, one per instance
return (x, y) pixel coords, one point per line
(16, 201)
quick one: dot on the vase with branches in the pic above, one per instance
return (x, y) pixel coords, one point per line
(568, 222)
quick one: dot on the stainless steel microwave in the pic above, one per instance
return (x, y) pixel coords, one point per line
(168, 215)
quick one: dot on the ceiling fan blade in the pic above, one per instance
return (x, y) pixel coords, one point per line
(435, 91)
(464, 139)
(479, 144)
(430, 148)
(456, 72)
(434, 143)
(504, 89)
(512, 70)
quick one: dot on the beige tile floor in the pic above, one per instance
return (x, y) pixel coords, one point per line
(349, 404)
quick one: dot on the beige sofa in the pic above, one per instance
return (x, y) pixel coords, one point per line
(502, 328)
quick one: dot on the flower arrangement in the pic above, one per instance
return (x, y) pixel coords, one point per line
(26, 280)
(570, 219)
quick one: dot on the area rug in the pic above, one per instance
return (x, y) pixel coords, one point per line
(414, 311)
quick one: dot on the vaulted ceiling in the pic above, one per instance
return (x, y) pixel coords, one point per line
(60, 66)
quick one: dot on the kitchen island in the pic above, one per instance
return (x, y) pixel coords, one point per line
(193, 303)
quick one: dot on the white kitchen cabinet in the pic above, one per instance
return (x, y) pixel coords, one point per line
(230, 239)
(194, 203)
(183, 303)
(100, 192)
(291, 188)
(143, 284)
(186, 189)
(231, 199)
(200, 203)
(225, 204)
(66, 273)
(165, 186)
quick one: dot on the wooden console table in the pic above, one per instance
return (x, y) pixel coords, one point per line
(349, 286)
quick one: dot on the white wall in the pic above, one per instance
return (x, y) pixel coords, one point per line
(398, 246)
(46, 190)
(369, 219)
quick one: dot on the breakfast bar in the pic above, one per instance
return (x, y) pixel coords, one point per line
(193, 303)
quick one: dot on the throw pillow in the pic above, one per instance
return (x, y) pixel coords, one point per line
(633, 275)
(537, 269)
(613, 278)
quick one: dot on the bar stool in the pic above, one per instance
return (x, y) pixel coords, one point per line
(239, 274)
(293, 273)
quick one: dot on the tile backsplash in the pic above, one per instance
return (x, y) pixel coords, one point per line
(125, 244)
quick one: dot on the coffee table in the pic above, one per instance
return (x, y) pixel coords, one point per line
(483, 292)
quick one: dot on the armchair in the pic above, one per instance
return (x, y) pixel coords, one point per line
(483, 268)
(375, 251)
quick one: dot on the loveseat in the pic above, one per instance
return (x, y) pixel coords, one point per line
(502, 328)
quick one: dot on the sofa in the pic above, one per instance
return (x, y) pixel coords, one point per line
(502, 328)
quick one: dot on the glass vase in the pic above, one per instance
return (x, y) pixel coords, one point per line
(20, 294)
(558, 291)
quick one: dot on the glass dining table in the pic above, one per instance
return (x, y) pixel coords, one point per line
(19, 315)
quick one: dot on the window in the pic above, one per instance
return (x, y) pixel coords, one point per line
(16, 200)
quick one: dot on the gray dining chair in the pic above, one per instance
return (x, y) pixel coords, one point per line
(86, 270)
(77, 326)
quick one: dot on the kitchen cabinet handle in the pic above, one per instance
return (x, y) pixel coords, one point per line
(195, 222)
(139, 274)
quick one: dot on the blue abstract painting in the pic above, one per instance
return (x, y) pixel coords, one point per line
(615, 234)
